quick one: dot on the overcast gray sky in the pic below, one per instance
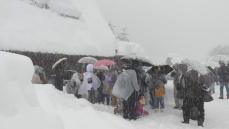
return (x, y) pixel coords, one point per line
(190, 28)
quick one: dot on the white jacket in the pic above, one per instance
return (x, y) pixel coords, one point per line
(126, 84)
(86, 86)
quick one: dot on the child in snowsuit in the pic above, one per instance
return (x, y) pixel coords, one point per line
(141, 107)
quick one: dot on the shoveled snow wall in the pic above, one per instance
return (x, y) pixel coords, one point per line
(19, 105)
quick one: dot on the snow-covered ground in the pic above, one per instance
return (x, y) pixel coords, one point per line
(26, 106)
(78, 113)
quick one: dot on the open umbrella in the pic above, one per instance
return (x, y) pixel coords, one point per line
(87, 60)
(102, 67)
(162, 69)
(105, 62)
(196, 65)
(143, 60)
(214, 60)
(58, 62)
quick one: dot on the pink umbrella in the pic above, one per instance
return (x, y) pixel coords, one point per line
(102, 67)
(105, 62)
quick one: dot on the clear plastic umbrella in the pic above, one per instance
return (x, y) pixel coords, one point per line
(196, 65)
(58, 62)
(87, 60)
(214, 60)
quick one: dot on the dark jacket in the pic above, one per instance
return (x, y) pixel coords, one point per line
(179, 85)
(193, 85)
(223, 74)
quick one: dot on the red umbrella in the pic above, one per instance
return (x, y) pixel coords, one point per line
(105, 62)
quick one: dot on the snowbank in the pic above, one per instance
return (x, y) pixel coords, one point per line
(78, 113)
(27, 27)
(19, 106)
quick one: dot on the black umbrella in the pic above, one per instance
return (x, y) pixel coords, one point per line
(212, 70)
(162, 69)
(137, 59)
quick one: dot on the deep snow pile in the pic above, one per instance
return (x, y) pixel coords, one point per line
(19, 106)
(78, 113)
(25, 26)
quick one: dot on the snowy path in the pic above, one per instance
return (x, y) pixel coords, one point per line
(81, 114)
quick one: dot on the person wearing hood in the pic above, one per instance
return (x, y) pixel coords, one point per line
(90, 84)
(74, 84)
(126, 87)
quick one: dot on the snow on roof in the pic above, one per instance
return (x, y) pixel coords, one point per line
(26, 27)
(130, 48)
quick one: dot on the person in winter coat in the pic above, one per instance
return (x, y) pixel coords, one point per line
(178, 82)
(126, 87)
(59, 78)
(39, 76)
(141, 76)
(223, 73)
(74, 85)
(156, 82)
(101, 76)
(90, 84)
(193, 105)
(107, 87)
(159, 97)
(150, 86)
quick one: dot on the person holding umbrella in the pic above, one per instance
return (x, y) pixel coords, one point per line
(85, 61)
(126, 87)
(58, 68)
(90, 84)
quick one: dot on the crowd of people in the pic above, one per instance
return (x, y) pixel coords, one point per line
(130, 87)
